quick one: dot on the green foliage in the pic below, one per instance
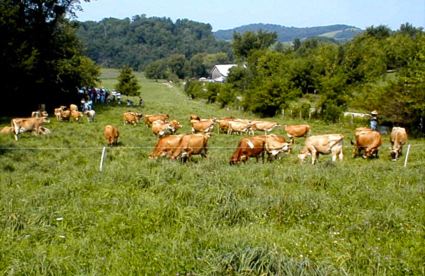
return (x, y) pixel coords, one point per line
(127, 82)
(140, 41)
(157, 70)
(248, 42)
(39, 45)
(146, 217)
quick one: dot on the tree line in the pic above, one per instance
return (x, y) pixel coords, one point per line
(379, 69)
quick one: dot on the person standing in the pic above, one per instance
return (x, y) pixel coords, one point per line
(374, 120)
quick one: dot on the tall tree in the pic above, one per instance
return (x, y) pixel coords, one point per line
(244, 44)
(41, 58)
(127, 82)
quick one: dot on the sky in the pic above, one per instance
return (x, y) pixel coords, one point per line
(224, 15)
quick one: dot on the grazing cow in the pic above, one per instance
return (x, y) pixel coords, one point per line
(73, 107)
(165, 145)
(38, 114)
(223, 124)
(367, 140)
(249, 147)
(159, 128)
(239, 127)
(296, 131)
(398, 138)
(176, 126)
(90, 115)
(65, 115)
(275, 145)
(76, 115)
(111, 134)
(21, 125)
(265, 126)
(191, 144)
(322, 144)
(58, 112)
(6, 129)
(203, 126)
(195, 117)
(132, 117)
(152, 118)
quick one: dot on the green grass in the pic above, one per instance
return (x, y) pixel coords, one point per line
(62, 216)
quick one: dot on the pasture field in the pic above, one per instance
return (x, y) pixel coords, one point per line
(61, 216)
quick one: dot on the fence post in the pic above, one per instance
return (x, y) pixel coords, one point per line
(102, 158)
(407, 155)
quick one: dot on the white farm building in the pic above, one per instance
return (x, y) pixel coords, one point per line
(220, 72)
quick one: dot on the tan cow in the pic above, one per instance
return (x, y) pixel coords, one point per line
(275, 145)
(6, 129)
(265, 126)
(322, 144)
(238, 127)
(191, 144)
(73, 107)
(90, 115)
(43, 130)
(111, 134)
(152, 118)
(65, 115)
(367, 140)
(165, 145)
(176, 126)
(38, 114)
(195, 117)
(21, 125)
(296, 131)
(249, 147)
(58, 112)
(132, 117)
(159, 128)
(223, 124)
(203, 126)
(76, 115)
(398, 138)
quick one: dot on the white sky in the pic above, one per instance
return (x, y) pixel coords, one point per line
(223, 15)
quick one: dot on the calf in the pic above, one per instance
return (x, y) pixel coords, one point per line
(90, 115)
(322, 144)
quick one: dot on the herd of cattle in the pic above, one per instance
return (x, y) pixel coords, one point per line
(183, 146)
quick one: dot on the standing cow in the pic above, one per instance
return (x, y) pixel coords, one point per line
(398, 138)
(111, 134)
(296, 131)
(367, 140)
(322, 144)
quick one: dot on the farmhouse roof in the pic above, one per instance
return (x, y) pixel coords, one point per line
(221, 71)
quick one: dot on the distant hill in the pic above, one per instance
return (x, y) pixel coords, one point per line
(285, 34)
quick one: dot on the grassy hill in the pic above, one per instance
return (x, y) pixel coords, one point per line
(62, 216)
(288, 34)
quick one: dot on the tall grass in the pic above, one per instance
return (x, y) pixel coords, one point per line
(62, 216)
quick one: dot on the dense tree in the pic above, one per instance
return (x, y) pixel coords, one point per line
(157, 70)
(248, 42)
(41, 57)
(127, 82)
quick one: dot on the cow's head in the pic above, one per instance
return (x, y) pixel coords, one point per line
(395, 152)
(302, 155)
(370, 152)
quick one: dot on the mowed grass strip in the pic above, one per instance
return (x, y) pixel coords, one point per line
(62, 216)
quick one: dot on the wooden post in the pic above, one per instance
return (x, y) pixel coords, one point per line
(407, 155)
(102, 158)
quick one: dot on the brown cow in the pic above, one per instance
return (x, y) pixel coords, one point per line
(152, 118)
(58, 112)
(275, 145)
(38, 114)
(21, 125)
(159, 128)
(265, 126)
(398, 138)
(111, 134)
(6, 129)
(367, 140)
(223, 124)
(73, 107)
(191, 144)
(296, 131)
(239, 127)
(65, 115)
(249, 147)
(195, 117)
(131, 117)
(176, 126)
(203, 126)
(166, 145)
(76, 115)
(322, 144)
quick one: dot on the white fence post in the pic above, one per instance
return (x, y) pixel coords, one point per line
(101, 158)
(407, 155)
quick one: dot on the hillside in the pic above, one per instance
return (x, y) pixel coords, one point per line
(286, 34)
